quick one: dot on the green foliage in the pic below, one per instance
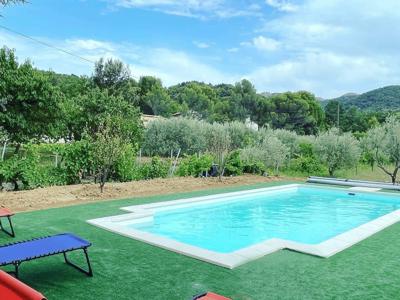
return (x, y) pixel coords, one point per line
(28, 101)
(8, 2)
(350, 118)
(382, 145)
(164, 136)
(194, 165)
(337, 150)
(382, 99)
(307, 165)
(125, 166)
(77, 160)
(299, 112)
(88, 110)
(234, 165)
(157, 168)
(306, 150)
(254, 167)
(26, 169)
(219, 144)
(271, 152)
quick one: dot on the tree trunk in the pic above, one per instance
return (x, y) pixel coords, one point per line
(103, 179)
(394, 175)
(17, 147)
(330, 172)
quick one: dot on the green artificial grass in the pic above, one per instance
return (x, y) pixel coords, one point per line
(128, 269)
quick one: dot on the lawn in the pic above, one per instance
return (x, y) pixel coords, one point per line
(128, 269)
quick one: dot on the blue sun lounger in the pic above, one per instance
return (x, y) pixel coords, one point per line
(19, 252)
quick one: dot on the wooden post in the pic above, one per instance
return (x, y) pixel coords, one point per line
(3, 153)
(175, 162)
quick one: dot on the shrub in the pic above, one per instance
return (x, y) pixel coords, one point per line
(241, 135)
(77, 160)
(336, 150)
(271, 152)
(195, 165)
(254, 167)
(157, 168)
(164, 136)
(27, 170)
(234, 164)
(307, 165)
(125, 167)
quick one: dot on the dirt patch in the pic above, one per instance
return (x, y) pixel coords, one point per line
(58, 196)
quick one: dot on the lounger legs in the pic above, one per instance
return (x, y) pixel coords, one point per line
(15, 273)
(11, 232)
(88, 272)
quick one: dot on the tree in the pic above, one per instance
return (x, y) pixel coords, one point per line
(271, 152)
(299, 112)
(220, 145)
(383, 143)
(87, 110)
(108, 143)
(28, 101)
(8, 2)
(198, 98)
(336, 150)
(160, 102)
(115, 77)
(110, 73)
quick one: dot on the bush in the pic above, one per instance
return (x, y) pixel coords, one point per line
(195, 165)
(27, 170)
(77, 160)
(241, 135)
(255, 167)
(337, 150)
(157, 168)
(126, 168)
(234, 165)
(164, 136)
(307, 165)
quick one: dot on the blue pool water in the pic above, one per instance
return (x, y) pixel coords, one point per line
(306, 214)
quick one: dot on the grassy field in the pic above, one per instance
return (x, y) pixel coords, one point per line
(362, 172)
(128, 269)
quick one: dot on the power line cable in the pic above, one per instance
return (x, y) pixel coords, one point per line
(46, 44)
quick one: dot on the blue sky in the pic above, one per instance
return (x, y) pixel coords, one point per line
(329, 47)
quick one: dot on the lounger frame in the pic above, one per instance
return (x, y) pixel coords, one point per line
(10, 232)
(17, 263)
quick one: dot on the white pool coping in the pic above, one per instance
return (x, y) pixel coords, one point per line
(141, 213)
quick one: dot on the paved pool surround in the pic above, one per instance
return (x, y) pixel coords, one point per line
(325, 249)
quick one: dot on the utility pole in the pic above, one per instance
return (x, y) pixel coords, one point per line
(338, 114)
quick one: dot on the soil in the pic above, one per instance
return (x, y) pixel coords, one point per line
(59, 196)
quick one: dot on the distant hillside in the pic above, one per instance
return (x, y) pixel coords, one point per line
(382, 99)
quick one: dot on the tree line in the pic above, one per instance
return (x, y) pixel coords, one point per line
(98, 118)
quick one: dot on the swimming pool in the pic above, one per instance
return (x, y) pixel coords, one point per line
(230, 229)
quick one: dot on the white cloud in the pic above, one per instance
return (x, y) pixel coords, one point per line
(265, 44)
(282, 5)
(170, 65)
(191, 8)
(201, 45)
(327, 74)
(332, 47)
(233, 50)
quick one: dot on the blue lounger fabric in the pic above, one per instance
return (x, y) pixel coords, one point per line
(27, 250)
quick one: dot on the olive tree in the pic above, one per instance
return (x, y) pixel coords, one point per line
(108, 143)
(383, 143)
(271, 152)
(165, 135)
(219, 144)
(337, 150)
